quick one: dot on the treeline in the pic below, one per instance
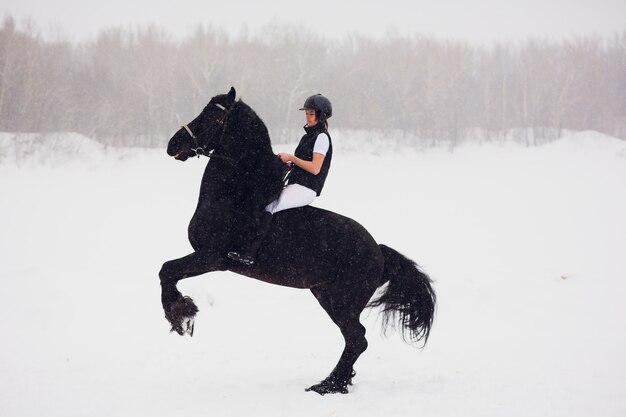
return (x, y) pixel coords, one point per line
(136, 86)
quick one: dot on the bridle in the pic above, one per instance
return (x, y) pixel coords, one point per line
(200, 149)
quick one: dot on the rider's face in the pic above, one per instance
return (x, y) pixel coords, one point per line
(311, 118)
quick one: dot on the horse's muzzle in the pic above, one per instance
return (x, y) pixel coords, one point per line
(182, 156)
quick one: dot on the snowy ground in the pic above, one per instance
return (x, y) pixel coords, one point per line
(527, 247)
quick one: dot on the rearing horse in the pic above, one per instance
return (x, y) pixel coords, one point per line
(307, 247)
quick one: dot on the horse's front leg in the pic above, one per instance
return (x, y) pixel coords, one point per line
(181, 310)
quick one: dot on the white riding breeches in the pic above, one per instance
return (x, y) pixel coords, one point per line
(294, 195)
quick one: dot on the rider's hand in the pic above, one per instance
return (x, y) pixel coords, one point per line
(286, 158)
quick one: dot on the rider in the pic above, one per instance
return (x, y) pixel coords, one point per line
(309, 164)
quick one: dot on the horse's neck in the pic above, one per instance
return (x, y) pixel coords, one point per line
(214, 184)
(257, 171)
(222, 179)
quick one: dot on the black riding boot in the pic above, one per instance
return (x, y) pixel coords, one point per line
(249, 251)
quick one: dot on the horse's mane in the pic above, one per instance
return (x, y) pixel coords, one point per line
(262, 168)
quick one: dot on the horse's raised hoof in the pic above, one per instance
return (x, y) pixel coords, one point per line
(188, 325)
(181, 316)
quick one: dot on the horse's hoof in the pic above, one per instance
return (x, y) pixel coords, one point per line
(326, 387)
(185, 327)
(188, 324)
(352, 375)
(181, 316)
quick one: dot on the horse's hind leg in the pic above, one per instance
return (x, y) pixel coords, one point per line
(179, 310)
(344, 305)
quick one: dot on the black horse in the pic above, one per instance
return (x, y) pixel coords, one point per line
(307, 247)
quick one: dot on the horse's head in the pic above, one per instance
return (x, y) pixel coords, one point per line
(205, 131)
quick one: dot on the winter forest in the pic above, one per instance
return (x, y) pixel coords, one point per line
(133, 86)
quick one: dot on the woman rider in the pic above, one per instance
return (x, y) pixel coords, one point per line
(309, 164)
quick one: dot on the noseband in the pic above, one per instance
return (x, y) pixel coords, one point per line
(221, 122)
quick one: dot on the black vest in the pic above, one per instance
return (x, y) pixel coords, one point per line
(305, 151)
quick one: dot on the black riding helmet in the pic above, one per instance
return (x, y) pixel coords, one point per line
(321, 105)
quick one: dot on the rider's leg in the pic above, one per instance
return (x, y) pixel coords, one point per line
(294, 195)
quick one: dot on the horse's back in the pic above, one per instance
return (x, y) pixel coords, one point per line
(309, 246)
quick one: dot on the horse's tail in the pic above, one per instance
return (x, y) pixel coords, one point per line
(408, 296)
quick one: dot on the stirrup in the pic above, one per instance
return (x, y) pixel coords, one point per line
(248, 261)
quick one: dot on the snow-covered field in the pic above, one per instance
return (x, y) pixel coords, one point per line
(527, 247)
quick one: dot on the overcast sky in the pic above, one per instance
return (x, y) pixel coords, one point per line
(476, 21)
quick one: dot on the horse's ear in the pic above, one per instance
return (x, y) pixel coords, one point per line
(232, 94)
